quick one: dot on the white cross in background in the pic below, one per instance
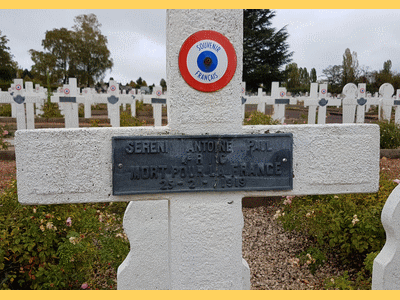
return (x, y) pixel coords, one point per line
(157, 100)
(68, 100)
(320, 100)
(23, 99)
(114, 99)
(386, 92)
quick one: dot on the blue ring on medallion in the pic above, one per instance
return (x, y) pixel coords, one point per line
(200, 61)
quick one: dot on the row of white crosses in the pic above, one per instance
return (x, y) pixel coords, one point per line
(68, 98)
(318, 99)
(278, 99)
(355, 102)
(113, 98)
(191, 240)
(23, 101)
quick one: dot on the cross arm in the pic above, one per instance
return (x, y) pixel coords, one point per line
(56, 166)
(75, 165)
(323, 161)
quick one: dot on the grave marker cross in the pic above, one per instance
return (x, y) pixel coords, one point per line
(189, 240)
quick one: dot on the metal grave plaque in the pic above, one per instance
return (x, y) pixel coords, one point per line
(170, 164)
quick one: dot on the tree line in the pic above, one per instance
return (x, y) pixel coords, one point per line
(82, 52)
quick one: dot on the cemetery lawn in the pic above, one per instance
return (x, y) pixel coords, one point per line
(277, 257)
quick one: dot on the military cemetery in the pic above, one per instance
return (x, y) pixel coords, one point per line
(189, 170)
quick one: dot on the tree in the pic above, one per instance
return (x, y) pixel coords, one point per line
(81, 52)
(350, 69)
(8, 67)
(44, 63)
(265, 49)
(292, 76)
(304, 77)
(91, 57)
(334, 76)
(60, 43)
(387, 65)
(384, 76)
(313, 75)
(163, 84)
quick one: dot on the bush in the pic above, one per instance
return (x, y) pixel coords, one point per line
(313, 257)
(4, 133)
(139, 105)
(81, 110)
(349, 224)
(59, 246)
(360, 281)
(5, 110)
(50, 110)
(126, 120)
(258, 118)
(390, 135)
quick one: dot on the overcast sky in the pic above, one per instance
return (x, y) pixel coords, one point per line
(136, 38)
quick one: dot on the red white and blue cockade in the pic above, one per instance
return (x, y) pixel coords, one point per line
(207, 61)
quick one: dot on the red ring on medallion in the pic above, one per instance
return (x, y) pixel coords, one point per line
(230, 53)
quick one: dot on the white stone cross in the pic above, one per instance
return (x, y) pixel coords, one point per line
(312, 102)
(280, 99)
(43, 95)
(355, 103)
(16, 99)
(396, 103)
(386, 267)
(349, 103)
(192, 240)
(319, 100)
(68, 101)
(133, 94)
(24, 100)
(258, 100)
(363, 101)
(31, 98)
(386, 91)
(88, 94)
(114, 99)
(277, 98)
(157, 100)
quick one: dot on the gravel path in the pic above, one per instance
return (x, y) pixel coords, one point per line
(271, 253)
